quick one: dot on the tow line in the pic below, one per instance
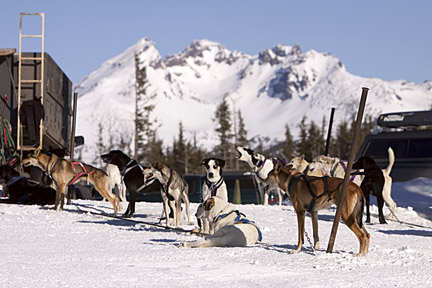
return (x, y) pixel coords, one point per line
(104, 215)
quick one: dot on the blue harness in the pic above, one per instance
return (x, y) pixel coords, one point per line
(240, 220)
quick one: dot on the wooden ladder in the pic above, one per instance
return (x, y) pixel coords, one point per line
(39, 81)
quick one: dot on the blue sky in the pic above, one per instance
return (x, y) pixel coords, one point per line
(387, 39)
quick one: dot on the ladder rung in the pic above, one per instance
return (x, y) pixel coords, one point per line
(31, 36)
(31, 58)
(31, 81)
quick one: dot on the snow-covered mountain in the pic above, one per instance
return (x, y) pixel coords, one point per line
(277, 86)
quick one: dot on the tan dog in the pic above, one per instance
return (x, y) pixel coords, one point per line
(64, 173)
(309, 193)
(300, 164)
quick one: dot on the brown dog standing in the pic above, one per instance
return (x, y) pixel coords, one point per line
(310, 193)
(64, 173)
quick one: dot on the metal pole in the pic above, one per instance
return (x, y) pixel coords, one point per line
(329, 131)
(72, 142)
(348, 170)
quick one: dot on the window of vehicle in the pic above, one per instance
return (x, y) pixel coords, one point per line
(420, 148)
(378, 148)
(413, 148)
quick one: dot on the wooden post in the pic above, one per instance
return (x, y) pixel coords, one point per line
(329, 132)
(348, 170)
(72, 141)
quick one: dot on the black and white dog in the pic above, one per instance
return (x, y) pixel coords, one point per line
(133, 178)
(260, 167)
(214, 185)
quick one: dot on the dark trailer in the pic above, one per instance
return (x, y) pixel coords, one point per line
(36, 100)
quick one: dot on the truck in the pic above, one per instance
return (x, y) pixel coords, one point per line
(410, 136)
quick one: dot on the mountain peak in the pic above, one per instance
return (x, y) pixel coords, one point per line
(278, 86)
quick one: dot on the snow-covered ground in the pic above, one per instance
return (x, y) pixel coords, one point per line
(45, 248)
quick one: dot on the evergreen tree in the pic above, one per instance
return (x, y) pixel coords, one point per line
(242, 133)
(315, 141)
(288, 145)
(145, 132)
(100, 145)
(196, 155)
(303, 145)
(223, 119)
(343, 141)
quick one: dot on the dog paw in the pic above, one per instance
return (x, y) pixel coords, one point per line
(181, 245)
(196, 230)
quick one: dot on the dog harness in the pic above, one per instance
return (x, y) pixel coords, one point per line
(78, 175)
(311, 205)
(127, 169)
(213, 186)
(259, 169)
(165, 188)
(342, 163)
(240, 220)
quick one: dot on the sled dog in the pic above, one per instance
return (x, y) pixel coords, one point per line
(260, 167)
(316, 193)
(133, 178)
(334, 167)
(232, 228)
(65, 173)
(174, 189)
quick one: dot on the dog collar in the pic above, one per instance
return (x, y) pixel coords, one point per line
(214, 186)
(259, 170)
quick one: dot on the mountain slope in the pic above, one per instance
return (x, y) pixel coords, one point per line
(276, 87)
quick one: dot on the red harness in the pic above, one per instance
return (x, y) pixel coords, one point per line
(78, 175)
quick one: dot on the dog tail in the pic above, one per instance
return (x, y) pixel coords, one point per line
(391, 161)
(360, 210)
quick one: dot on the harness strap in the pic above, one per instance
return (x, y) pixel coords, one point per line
(126, 169)
(78, 175)
(259, 169)
(353, 175)
(214, 186)
(240, 220)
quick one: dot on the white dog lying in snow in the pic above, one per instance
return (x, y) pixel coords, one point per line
(232, 228)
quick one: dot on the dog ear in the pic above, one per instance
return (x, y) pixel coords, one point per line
(278, 167)
(208, 204)
(204, 161)
(36, 152)
(221, 162)
(159, 166)
(301, 157)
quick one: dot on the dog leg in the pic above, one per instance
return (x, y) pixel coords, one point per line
(266, 197)
(167, 211)
(387, 198)
(314, 216)
(380, 210)
(300, 222)
(279, 193)
(123, 191)
(264, 201)
(367, 208)
(62, 196)
(187, 204)
(177, 213)
(57, 199)
(352, 211)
